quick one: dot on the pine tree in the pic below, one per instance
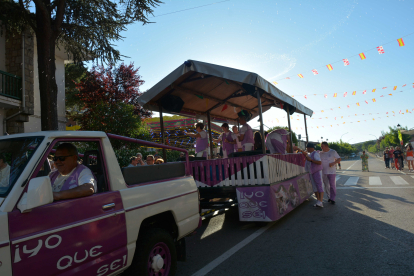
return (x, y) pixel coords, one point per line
(85, 29)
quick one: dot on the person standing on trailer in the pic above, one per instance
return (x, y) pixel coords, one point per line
(246, 134)
(201, 136)
(228, 140)
(329, 159)
(314, 167)
(237, 146)
(277, 141)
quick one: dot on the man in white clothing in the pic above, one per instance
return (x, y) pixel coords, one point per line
(71, 180)
(329, 159)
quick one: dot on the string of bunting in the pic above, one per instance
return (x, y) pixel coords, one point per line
(354, 92)
(362, 56)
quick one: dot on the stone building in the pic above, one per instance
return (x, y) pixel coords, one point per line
(19, 84)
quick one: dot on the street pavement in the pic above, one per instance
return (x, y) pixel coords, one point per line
(369, 231)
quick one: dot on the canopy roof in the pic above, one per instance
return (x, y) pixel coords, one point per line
(221, 90)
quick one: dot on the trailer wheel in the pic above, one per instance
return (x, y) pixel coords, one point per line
(155, 255)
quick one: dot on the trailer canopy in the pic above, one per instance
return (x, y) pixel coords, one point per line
(220, 91)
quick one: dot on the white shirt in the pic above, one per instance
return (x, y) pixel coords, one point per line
(5, 176)
(327, 158)
(316, 157)
(220, 138)
(85, 176)
(243, 129)
(203, 134)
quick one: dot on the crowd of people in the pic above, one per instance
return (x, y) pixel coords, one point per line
(394, 158)
(150, 160)
(244, 139)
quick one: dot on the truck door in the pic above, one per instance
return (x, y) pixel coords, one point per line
(82, 236)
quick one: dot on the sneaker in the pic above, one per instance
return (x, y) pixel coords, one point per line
(329, 200)
(332, 202)
(317, 205)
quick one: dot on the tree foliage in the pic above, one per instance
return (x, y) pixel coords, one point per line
(74, 73)
(343, 148)
(107, 101)
(85, 29)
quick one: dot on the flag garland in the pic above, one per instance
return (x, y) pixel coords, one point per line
(300, 76)
(380, 50)
(354, 93)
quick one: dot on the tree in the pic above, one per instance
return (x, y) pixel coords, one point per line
(86, 29)
(107, 99)
(74, 73)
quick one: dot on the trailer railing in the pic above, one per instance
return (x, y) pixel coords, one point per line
(247, 170)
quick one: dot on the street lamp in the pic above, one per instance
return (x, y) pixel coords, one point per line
(398, 126)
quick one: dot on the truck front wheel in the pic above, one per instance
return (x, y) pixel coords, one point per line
(155, 254)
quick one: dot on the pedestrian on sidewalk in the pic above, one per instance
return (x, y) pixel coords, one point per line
(329, 159)
(410, 158)
(391, 151)
(397, 158)
(364, 158)
(314, 167)
(387, 158)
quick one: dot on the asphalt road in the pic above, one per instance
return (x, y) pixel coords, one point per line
(368, 232)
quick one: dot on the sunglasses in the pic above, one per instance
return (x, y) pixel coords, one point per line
(60, 158)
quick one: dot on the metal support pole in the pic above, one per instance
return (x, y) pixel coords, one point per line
(210, 136)
(290, 131)
(164, 152)
(261, 121)
(306, 129)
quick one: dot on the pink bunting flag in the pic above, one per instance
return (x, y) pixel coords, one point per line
(288, 78)
(326, 96)
(345, 94)
(306, 97)
(348, 106)
(364, 92)
(404, 85)
(346, 62)
(384, 88)
(380, 50)
(314, 71)
(366, 102)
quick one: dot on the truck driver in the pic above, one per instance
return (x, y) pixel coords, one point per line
(71, 180)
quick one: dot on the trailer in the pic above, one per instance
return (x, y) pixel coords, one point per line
(264, 186)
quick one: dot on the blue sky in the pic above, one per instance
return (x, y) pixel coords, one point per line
(279, 39)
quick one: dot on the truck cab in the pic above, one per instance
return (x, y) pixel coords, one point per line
(135, 221)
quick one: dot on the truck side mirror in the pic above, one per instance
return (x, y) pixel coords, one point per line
(38, 193)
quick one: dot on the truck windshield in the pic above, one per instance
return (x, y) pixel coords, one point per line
(15, 153)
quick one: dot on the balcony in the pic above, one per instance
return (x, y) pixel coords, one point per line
(10, 86)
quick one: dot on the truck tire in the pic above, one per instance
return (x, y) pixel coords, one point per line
(155, 255)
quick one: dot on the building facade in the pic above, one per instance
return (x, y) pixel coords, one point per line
(19, 84)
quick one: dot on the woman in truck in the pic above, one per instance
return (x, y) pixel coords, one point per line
(228, 140)
(201, 136)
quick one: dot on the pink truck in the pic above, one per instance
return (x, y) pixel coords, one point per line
(135, 222)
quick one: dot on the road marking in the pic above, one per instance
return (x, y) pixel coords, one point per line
(352, 181)
(374, 180)
(337, 178)
(398, 180)
(352, 165)
(232, 250)
(368, 188)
